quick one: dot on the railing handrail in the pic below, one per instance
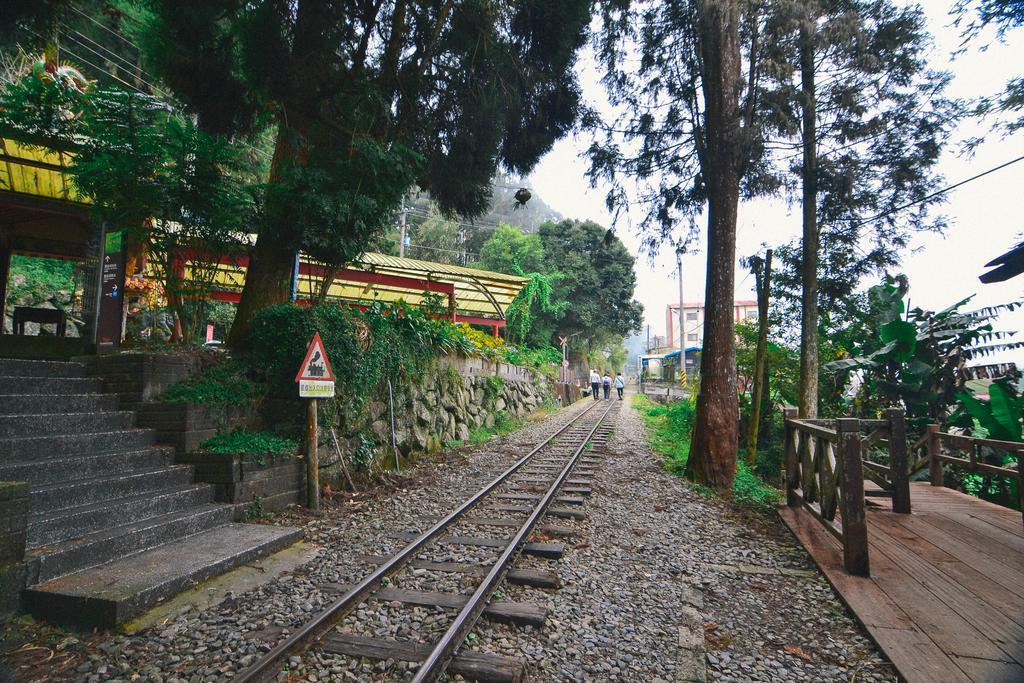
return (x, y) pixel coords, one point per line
(812, 480)
(971, 444)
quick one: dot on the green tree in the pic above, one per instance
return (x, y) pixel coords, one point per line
(598, 282)
(914, 359)
(871, 123)
(436, 238)
(511, 251)
(173, 188)
(687, 76)
(465, 87)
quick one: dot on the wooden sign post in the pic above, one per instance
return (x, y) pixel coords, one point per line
(316, 380)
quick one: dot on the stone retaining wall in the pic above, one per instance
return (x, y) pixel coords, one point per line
(139, 377)
(445, 405)
(186, 425)
(239, 480)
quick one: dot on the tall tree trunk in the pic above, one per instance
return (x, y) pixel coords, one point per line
(809, 265)
(713, 450)
(268, 279)
(764, 279)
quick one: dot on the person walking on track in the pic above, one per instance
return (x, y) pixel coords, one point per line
(607, 382)
(620, 384)
(595, 384)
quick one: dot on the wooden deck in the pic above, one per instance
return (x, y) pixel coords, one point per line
(945, 600)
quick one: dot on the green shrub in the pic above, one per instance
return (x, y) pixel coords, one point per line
(546, 360)
(505, 424)
(492, 387)
(221, 383)
(669, 428)
(259, 445)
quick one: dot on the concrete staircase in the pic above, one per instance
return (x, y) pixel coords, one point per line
(114, 526)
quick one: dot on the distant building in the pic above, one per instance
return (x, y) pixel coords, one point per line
(693, 323)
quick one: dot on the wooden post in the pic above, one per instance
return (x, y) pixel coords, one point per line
(934, 466)
(312, 459)
(898, 460)
(792, 474)
(855, 527)
(763, 281)
(1020, 481)
(5, 267)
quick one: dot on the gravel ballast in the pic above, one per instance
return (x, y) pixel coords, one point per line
(659, 584)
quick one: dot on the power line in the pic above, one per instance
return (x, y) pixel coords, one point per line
(449, 251)
(263, 153)
(938, 192)
(104, 71)
(472, 226)
(152, 87)
(105, 28)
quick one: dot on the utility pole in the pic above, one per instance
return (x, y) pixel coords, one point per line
(401, 241)
(682, 316)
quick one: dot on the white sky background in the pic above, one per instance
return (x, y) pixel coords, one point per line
(984, 216)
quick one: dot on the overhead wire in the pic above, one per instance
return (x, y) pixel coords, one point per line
(152, 87)
(164, 94)
(105, 28)
(940, 192)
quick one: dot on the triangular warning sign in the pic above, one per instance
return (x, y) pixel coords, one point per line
(315, 367)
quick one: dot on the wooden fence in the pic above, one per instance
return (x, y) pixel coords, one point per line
(826, 468)
(940, 445)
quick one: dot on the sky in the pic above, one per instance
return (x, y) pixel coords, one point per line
(984, 216)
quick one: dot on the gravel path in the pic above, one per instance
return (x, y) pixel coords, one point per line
(662, 572)
(654, 569)
(197, 646)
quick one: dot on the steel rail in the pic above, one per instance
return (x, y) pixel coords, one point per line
(315, 628)
(444, 651)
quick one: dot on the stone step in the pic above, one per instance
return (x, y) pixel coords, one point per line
(29, 424)
(64, 469)
(34, 448)
(56, 403)
(16, 385)
(108, 595)
(113, 542)
(73, 493)
(11, 367)
(61, 525)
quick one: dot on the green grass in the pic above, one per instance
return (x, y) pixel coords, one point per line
(503, 424)
(668, 431)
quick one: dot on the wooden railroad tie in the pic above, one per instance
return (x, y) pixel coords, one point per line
(574, 482)
(549, 529)
(564, 500)
(580, 490)
(550, 551)
(515, 613)
(564, 513)
(475, 666)
(534, 578)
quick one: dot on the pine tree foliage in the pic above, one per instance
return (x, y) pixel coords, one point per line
(441, 92)
(977, 17)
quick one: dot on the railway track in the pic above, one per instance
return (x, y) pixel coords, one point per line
(552, 480)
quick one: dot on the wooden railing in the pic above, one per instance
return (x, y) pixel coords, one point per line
(827, 462)
(893, 476)
(939, 444)
(824, 474)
